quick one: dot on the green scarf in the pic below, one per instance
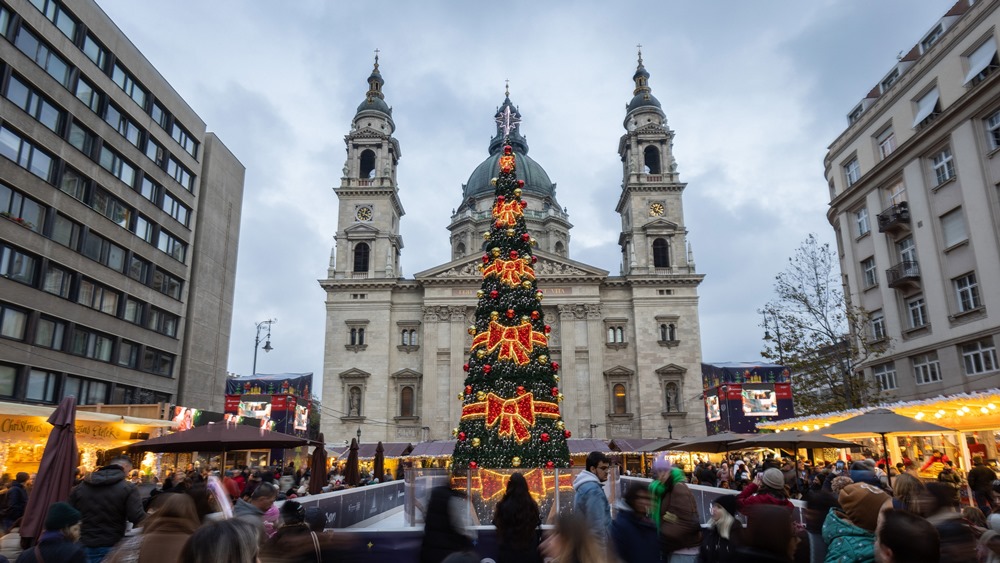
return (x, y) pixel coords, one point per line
(659, 488)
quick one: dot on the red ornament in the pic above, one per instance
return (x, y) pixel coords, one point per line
(468, 389)
(486, 259)
(533, 259)
(567, 434)
(494, 294)
(500, 198)
(534, 315)
(510, 313)
(465, 367)
(520, 389)
(544, 436)
(520, 183)
(498, 224)
(525, 237)
(513, 255)
(461, 436)
(548, 329)
(555, 366)
(524, 204)
(549, 464)
(555, 391)
(507, 149)
(473, 465)
(487, 368)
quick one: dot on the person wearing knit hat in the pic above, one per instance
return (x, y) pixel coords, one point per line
(722, 533)
(767, 488)
(849, 533)
(58, 541)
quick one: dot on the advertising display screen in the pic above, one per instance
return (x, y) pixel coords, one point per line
(712, 410)
(301, 421)
(759, 402)
(255, 409)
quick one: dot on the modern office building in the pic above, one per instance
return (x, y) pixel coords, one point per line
(629, 344)
(120, 220)
(914, 202)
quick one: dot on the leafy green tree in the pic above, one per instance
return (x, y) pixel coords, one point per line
(812, 328)
(510, 404)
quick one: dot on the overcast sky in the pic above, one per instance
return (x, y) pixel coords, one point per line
(755, 92)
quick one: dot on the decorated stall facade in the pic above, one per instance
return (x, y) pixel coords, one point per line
(739, 396)
(278, 401)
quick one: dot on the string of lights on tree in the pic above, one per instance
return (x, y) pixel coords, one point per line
(510, 404)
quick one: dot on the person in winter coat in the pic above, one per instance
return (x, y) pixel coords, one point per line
(446, 525)
(633, 535)
(949, 476)
(590, 500)
(904, 537)
(58, 541)
(723, 532)
(17, 500)
(958, 540)
(675, 512)
(164, 533)
(517, 520)
(767, 488)
(293, 542)
(849, 533)
(107, 501)
(980, 480)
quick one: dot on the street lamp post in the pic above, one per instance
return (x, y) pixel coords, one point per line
(267, 339)
(359, 435)
(670, 431)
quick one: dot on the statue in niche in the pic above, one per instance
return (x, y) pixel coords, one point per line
(355, 402)
(672, 405)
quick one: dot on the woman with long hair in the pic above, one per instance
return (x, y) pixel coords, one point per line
(226, 541)
(722, 532)
(517, 519)
(571, 541)
(909, 493)
(163, 533)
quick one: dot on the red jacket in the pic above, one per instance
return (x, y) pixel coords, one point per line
(747, 497)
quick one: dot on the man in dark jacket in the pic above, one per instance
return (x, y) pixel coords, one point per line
(107, 501)
(981, 482)
(17, 500)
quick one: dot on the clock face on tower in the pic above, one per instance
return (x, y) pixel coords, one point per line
(656, 209)
(364, 213)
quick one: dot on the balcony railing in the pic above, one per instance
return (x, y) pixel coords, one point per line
(903, 274)
(894, 218)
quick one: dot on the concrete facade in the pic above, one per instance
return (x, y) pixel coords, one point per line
(914, 204)
(625, 343)
(122, 220)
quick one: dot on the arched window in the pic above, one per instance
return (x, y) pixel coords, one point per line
(361, 252)
(560, 249)
(406, 338)
(460, 250)
(663, 333)
(651, 159)
(620, 401)
(661, 253)
(406, 401)
(361, 336)
(354, 337)
(368, 164)
(672, 332)
(620, 334)
(413, 337)
(611, 334)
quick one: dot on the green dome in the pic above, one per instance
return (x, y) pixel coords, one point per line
(377, 104)
(643, 99)
(536, 180)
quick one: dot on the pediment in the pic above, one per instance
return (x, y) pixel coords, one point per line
(619, 371)
(671, 369)
(407, 374)
(361, 230)
(548, 266)
(354, 373)
(660, 225)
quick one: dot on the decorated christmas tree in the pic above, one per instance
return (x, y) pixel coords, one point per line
(510, 404)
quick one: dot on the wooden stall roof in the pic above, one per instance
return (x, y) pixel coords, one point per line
(579, 446)
(629, 445)
(435, 448)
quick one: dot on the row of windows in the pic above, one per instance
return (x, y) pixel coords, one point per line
(61, 335)
(967, 299)
(38, 385)
(977, 358)
(35, 104)
(101, 57)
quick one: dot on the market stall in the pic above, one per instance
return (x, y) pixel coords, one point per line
(24, 431)
(435, 453)
(393, 452)
(632, 459)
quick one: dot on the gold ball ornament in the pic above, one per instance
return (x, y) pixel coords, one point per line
(517, 192)
(516, 461)
(510, 232)
(526, 284)
(556, 376)
(495, 251)
(472, 330)
(461, 397)
(542, 359)
(560, 425)
(534, 242)
(481, 268)
(480, 294)
(454, 431)
(560, 397)
(525, 318)
(481, 395)
(494, 315)
(476, 442)
(539, 295)
(493, 181)
(480, 354)
(486, 235)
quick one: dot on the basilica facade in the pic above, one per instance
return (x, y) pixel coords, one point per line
(629, 344)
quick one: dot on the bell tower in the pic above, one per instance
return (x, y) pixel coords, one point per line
(368, 243)
(653, 238)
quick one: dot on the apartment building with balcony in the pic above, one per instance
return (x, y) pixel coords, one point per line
(119, 220)
(914, 182)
